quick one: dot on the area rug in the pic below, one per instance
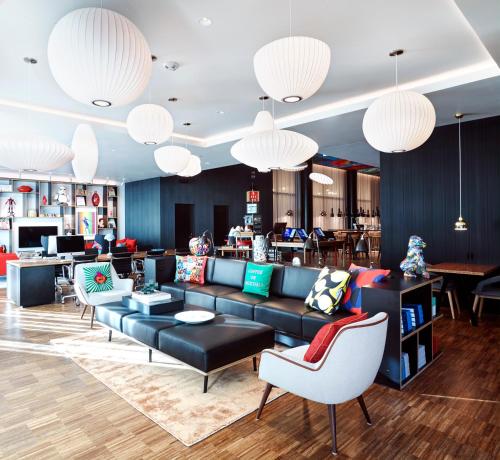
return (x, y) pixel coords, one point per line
(165, 391)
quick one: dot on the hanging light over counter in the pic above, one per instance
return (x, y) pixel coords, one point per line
(460, 224)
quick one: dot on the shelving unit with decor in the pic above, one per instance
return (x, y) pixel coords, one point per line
(41, 202)
(390, 296)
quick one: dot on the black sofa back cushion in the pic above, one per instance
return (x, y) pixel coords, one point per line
(298, 281)
(209, 269)
(277, 280)
(229, 272)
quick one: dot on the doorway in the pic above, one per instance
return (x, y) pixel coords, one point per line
(221, 224)
(184, 220)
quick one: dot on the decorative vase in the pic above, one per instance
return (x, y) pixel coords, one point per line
(259, 249)
(96, 199)
(44, 200)
(24, 189)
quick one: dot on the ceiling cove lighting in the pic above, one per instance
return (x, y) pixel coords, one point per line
(172, 159)
(31, 153)
(86, 150)
(293, 68)
(322, 179)
(150, 124)
(399, 121)
(460, 224)
(270, 148)
(99, 57)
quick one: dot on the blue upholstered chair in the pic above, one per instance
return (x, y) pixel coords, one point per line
(487, 289)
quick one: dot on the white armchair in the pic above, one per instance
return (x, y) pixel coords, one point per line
(346, 370)
(121, 287)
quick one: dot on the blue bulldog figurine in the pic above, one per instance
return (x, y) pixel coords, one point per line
(414, 263)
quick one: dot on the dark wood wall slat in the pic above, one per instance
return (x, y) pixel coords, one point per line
(419, 195)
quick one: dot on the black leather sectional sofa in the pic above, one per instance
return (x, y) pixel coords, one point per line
(284, 309)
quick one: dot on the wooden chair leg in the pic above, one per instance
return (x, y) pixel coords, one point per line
(267, 390)
(481, 302)
(92, 312)
(450, 301)
(476, 303)
(333, 427)
(84, 310)
(110, 335)
(457, 302)
(361, 402)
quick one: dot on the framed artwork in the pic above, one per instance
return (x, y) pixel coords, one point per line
(86, 221)
(80, 201)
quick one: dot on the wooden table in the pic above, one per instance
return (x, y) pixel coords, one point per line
(135, 255)
(232, 250)
(451, 270)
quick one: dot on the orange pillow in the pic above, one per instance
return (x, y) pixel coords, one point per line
(326, 334)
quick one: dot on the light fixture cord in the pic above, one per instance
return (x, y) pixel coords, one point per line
(460, 165)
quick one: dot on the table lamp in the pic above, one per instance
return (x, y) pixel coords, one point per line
(109, 237)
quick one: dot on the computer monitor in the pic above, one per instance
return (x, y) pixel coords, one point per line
(31, 237)
(319, 232)
(288, 234)
(279, 227)
(301, 233)
(68, 246)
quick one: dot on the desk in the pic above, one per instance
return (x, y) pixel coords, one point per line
(232, 250)
(30, 282)
(135, 255)
(451, 270)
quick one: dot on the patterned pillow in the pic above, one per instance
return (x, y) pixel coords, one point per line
(328, 290)
(190, 269)
(98, 278)
(326, 334)
(360, 276)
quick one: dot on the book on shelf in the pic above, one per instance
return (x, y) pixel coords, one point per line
(405, 366)
(408, 320)
(419, 313)
(421, 356)
(434, 306)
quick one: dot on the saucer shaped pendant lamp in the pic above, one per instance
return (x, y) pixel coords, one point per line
(32, 153)
(297, 168)
(150, 124)
(172, 159)
(399, 121)
(193, 168)
(272, 149)
(293, 68)
(322, 179)
(99, 57)
(86, 150)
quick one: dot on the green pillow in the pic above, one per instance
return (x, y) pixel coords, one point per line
(258, 279)
(98, 278)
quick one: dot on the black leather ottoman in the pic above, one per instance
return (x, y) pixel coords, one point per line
(111, 314)
(211, 346)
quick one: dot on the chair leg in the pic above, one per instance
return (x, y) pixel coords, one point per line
(476, 303)
(205, 383)
(481, 302)
(267, 390)
(84, 310)
(361, 402)
(110, 334)
(150, 355)
(254, 360)
(457, 302)
(450, 301)
(92, 312)
(333, 427)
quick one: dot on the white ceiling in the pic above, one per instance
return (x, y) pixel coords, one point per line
(444, 57)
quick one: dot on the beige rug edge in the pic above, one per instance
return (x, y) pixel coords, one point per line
(57, 343)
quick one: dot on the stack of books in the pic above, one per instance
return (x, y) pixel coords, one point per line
(412, 316)
(405, 366)
(434, 306)
(421, 356)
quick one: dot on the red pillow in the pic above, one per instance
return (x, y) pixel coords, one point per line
(131, 244)
(326, 334)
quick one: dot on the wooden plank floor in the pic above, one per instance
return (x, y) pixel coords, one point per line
(50, 408)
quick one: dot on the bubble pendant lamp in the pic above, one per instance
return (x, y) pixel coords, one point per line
(172, 159)
(86, 150)
(99, 57)
(150, 124)
(399, 121)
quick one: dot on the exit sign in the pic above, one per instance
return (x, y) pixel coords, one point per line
(253, 196)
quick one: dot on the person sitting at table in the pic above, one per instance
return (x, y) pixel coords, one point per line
(232, 235)
(248, 228)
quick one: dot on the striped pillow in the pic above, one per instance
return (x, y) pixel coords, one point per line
(98, 278)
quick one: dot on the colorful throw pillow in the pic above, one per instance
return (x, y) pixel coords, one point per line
(258, 279)
(98, 278)
(190, 269)
(328, 290)
(360, 276)
(325, 336)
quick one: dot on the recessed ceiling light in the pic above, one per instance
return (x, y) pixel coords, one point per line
(172, 99)
(101, 103)
(30, 60)
(186, 123)
(220, 112)
(205, 22)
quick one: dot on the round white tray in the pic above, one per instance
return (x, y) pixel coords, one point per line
(195, 316)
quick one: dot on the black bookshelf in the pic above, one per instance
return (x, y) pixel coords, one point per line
(389, 296)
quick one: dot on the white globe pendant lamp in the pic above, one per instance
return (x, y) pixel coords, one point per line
(172, 159)
(263, 122)
(150, 124)
(31, 153)
(292, 69)
(322, 179)
(399, 121)
(99, 57)
(86, 150)
(193, 168)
